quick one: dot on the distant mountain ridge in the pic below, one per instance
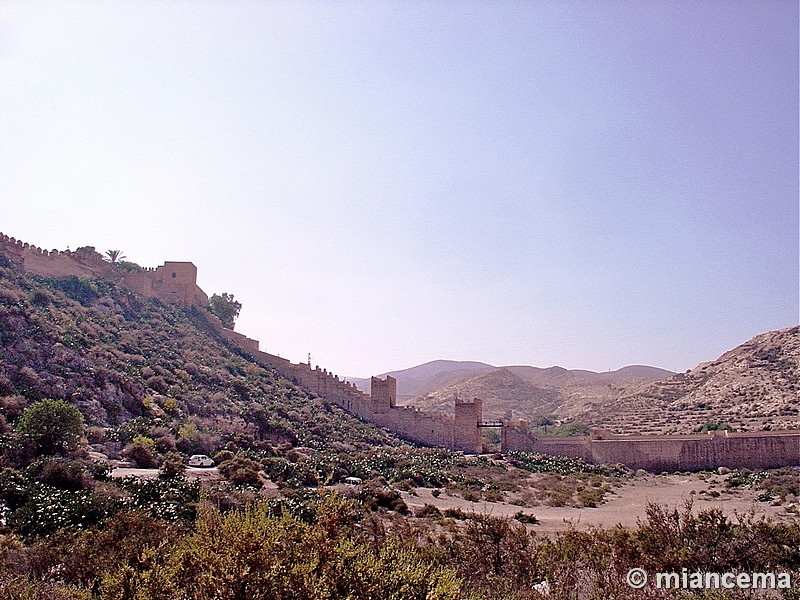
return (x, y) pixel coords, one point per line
(432, 385)
(560, 375)
(755, 386)
(429, 376)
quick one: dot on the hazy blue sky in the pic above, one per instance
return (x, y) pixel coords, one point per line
(588, 184)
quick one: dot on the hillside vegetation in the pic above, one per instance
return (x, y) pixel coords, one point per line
(134, 365)
(91, 373)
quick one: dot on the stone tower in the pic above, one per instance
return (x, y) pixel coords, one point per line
(466, 433)
(384, 394)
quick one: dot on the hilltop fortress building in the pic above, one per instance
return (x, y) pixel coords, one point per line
(176, 283)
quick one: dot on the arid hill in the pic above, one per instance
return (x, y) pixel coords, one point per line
(753, 387)
(428, 377)
(524, 392)
(504, 393)
(527, 390)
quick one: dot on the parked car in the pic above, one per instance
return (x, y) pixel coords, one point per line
(200, 460)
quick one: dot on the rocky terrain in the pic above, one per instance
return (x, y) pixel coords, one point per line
(755, 386)
(93, 375)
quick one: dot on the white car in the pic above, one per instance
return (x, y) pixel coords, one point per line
(200, 460)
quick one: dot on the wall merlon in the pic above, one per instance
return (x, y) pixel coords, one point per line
(176, 282)
(751, 450)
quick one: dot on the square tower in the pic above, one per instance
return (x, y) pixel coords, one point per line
(384, 394)
(466, 428)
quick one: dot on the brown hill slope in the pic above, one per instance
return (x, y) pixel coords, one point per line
(428, 377)
(752, 387)
(504, 393)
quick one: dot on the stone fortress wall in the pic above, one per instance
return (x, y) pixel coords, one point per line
(432, 429)
(176, 282)
(747, 450)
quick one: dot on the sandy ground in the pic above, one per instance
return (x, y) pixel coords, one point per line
(625, 507)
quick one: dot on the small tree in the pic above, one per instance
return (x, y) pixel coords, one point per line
(114, 256)
(140, 453)
(54, 426)
(226, 308)
(172, 466)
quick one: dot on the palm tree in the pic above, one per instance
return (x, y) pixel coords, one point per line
(114, 256)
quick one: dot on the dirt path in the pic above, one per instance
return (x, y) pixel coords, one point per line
(625, 507)
(191, 473)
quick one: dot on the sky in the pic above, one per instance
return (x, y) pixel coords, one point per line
(381, 184)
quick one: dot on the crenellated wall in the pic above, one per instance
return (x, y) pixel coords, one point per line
(55, 263)
(750, 450)
(176, 282)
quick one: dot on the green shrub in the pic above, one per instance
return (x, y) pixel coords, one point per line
(100, 470)
(141, 455)
(715, 427)
(254, 554)
(47, 509)
(241, 471)
(590, 497)
(167, 499)
(428, 511)
(59, 473)
(375, 497)
(54, 426)
(525, 518)
(81, 288)
(546, 463)
(172, 466)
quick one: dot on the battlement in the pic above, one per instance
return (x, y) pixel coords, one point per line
(656, 453)
(55, 263)
(176, 282)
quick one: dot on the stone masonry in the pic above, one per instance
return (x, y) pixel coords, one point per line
(176, 283)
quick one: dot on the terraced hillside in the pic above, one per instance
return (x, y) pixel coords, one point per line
(755, 386)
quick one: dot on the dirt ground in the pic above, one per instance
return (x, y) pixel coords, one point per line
(191, 473)
(625, 506)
